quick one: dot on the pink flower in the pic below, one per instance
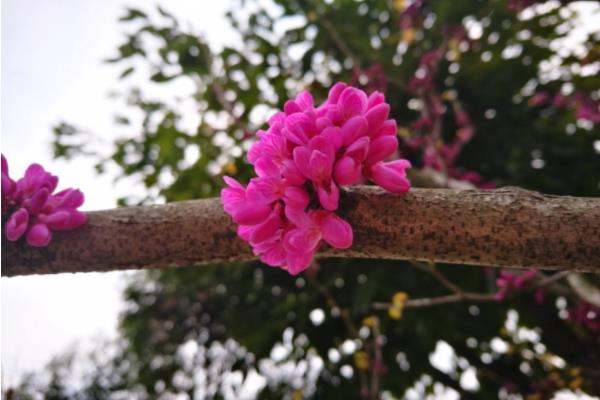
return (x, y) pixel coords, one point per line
(558, 100)
(246, 206)
(588, 109)
(584, 106)
(539, 98)
(301, 161)
(391, 176)
(586, 315)
(36, 179)
(8, 185)
(302, 242)
(422, 123)
(34, 211)
(508, 283)
(17, 224)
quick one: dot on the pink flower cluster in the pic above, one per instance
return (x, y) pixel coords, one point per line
(509, 283)
(586, 315)
(30, 209)
(411, 16)
(301, 161)
(584, 106)
(437, 153)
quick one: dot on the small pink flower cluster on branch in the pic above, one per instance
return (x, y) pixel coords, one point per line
(301, 161)
(510, 283)
(586, 315)
(583, 105)
(30, 209)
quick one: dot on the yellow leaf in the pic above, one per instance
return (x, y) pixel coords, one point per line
(399, 298)
(230, 169)
(361, 360)
(399, 5)
(370, 321)
(408, 35)
(575, 383)
(453, 50)
(395, 312)
(404, 132)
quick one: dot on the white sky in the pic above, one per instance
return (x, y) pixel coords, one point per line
(52, 70)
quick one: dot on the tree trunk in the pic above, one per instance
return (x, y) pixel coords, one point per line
(505, 227)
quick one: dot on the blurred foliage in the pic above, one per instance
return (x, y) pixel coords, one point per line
(205, 106)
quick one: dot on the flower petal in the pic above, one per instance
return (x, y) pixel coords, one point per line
(296, 197)
(305, 100)
(69, 198)
(251, 213)
(244, 231)
(347, 171)
(273, 254)
(265, 166)
(381, 148)
(232, 183)
(335, 92)
(353, 129)
(389, 127)
(321, 166)
(266, 231)
(38, 235)
(334, 136)
(336, 232)
(302, 240)
(270, 188)
(58, 219)
(391, 176)
(17, 224)
(298, 262)
(35, 203)
(298, 217)
(291, 107)
(292, 174)
(352, 102)
(375, 99)
(4, 165)
(359, 149)
(329, 195)
(377, 115)
(302, 158)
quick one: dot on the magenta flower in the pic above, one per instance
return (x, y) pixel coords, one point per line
(391, 176)
(539, 98)
(509, 283)
(8, 187)
(302, 242)
(301, 161)
(17, 224)
(587, 108)
(32, 210)
(583, 105)
(586, 315)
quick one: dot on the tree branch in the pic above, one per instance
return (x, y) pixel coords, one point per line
(503, 227)
(435, 301)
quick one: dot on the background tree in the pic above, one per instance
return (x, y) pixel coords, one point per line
(485, 93)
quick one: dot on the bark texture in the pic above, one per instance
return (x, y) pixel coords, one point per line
(504, 227)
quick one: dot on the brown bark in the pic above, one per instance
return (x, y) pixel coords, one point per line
(504, 227)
